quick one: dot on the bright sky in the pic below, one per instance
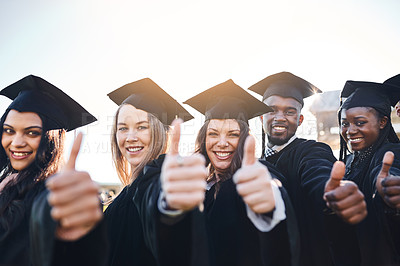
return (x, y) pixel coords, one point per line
(90, 48)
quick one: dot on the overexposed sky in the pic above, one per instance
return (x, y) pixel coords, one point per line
(90, 48)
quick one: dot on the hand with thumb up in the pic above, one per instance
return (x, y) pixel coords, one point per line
(344, 197)
(74, 199)
(253, 181)
(183, 179)
(388, 185)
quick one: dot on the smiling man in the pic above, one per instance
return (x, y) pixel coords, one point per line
(305, 164)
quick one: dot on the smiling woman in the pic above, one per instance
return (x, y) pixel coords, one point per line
(367, 132)
(21, 138)
(32, 140)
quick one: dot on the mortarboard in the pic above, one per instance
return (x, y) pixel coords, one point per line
(146, 95)
(285, 84)
(370, 94)
(228, 101)
(394, 81)
(34, 94)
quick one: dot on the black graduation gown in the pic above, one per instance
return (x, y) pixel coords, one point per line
(305, 166)
(233, 238)
(46, 250)
(178, 241)
(125, 232)
(222, 235)
(378, 235)
(14, 241)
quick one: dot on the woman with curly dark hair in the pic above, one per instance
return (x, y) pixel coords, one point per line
(32, 144)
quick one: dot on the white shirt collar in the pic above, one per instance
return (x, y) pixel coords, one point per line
(278, 148)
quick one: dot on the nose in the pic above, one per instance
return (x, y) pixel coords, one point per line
(279, 116)
(352, 129)
(223, 143)
(132, 136)
(18, 141)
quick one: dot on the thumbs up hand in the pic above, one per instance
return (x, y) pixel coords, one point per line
(183, 179)
(74, 199)
(344, 197)
(388, 185)
(253, 181)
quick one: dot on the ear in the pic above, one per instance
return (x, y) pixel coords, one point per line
(301, 118)
(383, 122)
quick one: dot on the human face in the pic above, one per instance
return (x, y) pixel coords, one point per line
(133, 134)
(22, 132)
(360, 127)
(281, 124)
(398, 109)
(222, 139)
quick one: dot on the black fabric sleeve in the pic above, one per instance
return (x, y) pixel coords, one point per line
(46, 250)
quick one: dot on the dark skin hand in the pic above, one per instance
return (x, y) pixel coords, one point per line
(388, 185)
(344, 197)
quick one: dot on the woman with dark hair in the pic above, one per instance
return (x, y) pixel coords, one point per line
(366, 135)
(32, 145)
(245, 215)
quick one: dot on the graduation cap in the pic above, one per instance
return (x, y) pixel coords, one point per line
(146, 95)
(285, 84)
(394, 81)
(228, 101)
(34, 94)
(379, 96)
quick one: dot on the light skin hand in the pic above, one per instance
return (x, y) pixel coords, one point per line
(183, 182)
(74, 199)
(253, 181)
(344, 197)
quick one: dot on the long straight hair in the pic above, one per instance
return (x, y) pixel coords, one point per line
(48, 160)
(158, 146)
(237, 156)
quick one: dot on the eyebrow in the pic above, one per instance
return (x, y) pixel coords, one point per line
(228, 131)
(31, 127)
(140, 122)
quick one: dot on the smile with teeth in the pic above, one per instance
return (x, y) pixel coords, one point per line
(223, 155)
(20, 154)
(279, 128)
(355, 140)
(134, 149)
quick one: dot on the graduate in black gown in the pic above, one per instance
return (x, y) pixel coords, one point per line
(139, 135)
(305, 164)
(247, 220)
(32, 135)
(367, 132)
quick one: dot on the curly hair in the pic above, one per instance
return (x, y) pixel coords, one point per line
(48, 159)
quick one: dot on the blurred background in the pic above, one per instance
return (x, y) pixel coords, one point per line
(89, 48)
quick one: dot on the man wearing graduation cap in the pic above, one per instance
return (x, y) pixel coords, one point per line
(305, 164)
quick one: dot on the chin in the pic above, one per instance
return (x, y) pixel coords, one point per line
(277, 141)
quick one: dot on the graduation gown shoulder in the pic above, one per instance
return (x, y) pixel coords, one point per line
(46, 250)
(233, 238)
(14, 240)
(178, 240)
(305, 166)
(378, 234)
(125, 231)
